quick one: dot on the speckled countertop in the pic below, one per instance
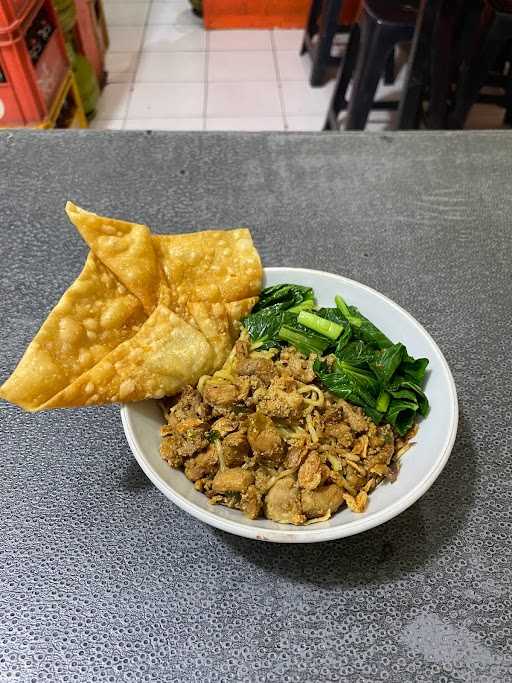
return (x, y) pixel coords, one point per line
(103, 579)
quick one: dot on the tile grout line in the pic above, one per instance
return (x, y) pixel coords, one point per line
(279, 82)
(137, 62)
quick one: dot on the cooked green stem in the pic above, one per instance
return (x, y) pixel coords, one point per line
(327, 328)
(304, 306)
(383, 401)
(342, 306)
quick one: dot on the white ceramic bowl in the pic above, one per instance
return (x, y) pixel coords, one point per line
(420, 466)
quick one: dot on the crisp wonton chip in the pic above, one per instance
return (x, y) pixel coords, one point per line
(160, 360)
(147, 315)
(125, 248)
(214, 265)
(212, 320)
(93, 316)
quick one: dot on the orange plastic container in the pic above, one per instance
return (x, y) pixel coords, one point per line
(91, 33)
(34, 64)
(266, 13)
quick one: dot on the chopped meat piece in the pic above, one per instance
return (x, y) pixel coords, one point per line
(354, 416)
(295, 456)
(202, 465)
(341, 432)
(282, 502)
(221, 394)
(176, 447)
(264, 438)
(189, 406)
(300, 367)
(264, 478)
(281, 400)
(251, 502)
(385, 453)
(322, 500)
(242, 348)
(310, 472)
(232, 480)
(234, 449)
(224, 425)
(263, 368)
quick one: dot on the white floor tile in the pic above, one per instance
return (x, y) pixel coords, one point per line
(309, 123)
(243, 99)
(164, 124)
(157, 100)
(124, 39)
(239, 40)
(126, 13)
(246, 123)
(288, 39)
(301, 99)
(173, 13)
(293, 67)
(106, 124)
(113, 101)
(241, 66)
(121, 66)
(168, 38)
(161, 67)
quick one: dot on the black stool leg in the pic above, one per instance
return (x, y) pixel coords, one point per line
(508, 97)
(376, 44)
(409, 110)
(389, 71)
(328, 30)
(345, 72)
(473, 77)
(312, 24)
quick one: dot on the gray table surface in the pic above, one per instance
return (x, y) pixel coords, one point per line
(103, 579)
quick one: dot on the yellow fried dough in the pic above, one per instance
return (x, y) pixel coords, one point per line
(160, 360)
(214, 265)
(212, 320)
(94, 315)
(125, 248)
(147, 315)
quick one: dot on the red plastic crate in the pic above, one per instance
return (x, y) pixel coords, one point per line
(34, 64)
(13, 11)
(92, 37)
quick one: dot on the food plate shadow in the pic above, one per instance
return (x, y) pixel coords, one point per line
(405, 545)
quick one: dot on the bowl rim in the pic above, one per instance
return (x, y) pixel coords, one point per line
(298, 534)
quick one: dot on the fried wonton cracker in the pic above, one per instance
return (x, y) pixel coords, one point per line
(147, 315)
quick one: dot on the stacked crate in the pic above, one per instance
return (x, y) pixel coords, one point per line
(35, 77)
(92, 35)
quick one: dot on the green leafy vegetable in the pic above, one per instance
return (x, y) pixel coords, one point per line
(263, 327)
(385, 362)
(356, 353)
(352, 384)
(414, 369)
(283, 297)
(363, 329)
